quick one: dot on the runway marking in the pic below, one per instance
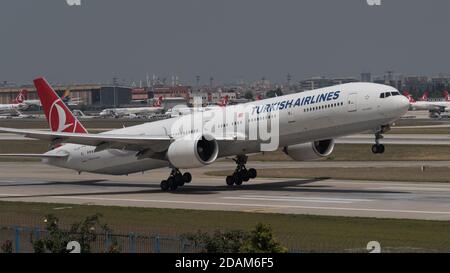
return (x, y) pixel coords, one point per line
(315, 198)
(287, 200)
(250, 205)
(297, 199)
(411, 188)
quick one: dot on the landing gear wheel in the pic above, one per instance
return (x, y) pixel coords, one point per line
(229, 180)
(252, 173)
(164, 185)
(244, 175)
(179, 180)
(375, 149)
(172, 183)
(187, 177)
(237, 179)
(241, 174)
(378, 148)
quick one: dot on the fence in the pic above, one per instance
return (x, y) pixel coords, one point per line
(22, 239)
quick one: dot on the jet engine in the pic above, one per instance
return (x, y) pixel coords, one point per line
(193, 151)
(310, 151)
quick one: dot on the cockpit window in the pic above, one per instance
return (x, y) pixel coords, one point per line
(388, 94)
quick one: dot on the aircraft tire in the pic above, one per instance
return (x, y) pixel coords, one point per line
(187, 177)
(252, 173)
(164, 185)
(172, 184)
(244, 175)
(237, 179)
(229, 180)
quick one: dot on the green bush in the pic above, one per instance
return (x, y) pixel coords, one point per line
(84, 232)
(259, 240)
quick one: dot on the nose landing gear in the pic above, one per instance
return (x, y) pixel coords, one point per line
(241, 174)
(175, 180)
(378, 148)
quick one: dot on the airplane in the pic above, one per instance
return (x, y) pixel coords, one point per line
(135, 111)
(22, 98)
(180, 110)
(68, 100)
(81, 115)
(308, 124)
(425, 104)
(13, 109)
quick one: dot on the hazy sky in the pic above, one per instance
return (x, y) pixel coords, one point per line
(226, 39)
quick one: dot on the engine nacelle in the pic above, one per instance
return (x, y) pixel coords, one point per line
(310, 151)
(193, 151)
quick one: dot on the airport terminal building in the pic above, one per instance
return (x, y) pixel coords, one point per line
(85, 94)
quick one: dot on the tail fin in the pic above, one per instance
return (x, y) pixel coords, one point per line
(59, 117)
(425, 96)
(446, 95)
(408, 96)
(21, 97)
(158, 102)
(224, 101)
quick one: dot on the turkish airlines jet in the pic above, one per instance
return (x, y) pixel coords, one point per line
(303, 124)
(177, 111)
(22, 99)
(121, 112)
(14, 108)
(424, 104)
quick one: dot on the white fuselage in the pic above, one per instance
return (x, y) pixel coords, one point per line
(320, 114)
(119, 112)
(440, 106)
(11, 109)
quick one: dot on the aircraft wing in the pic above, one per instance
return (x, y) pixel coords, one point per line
(102, 141)
(397, 139)
(106, 141)
(35, 155)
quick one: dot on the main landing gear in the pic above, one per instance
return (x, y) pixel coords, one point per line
(175, 180)
(378, 148)
(241, 174)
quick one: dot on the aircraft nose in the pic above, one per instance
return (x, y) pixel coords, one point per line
(402, 105)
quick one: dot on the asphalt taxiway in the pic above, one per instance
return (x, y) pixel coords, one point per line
(35, 182)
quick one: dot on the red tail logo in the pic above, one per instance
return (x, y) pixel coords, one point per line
(158, 102)
(224, 101)
(446, 95)
(409, 96)
(425, 96)
(59, 117)
(22, 96)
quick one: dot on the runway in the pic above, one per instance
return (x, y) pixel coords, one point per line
(35, 182)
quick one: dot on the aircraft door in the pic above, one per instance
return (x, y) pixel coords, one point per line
(352, 102)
